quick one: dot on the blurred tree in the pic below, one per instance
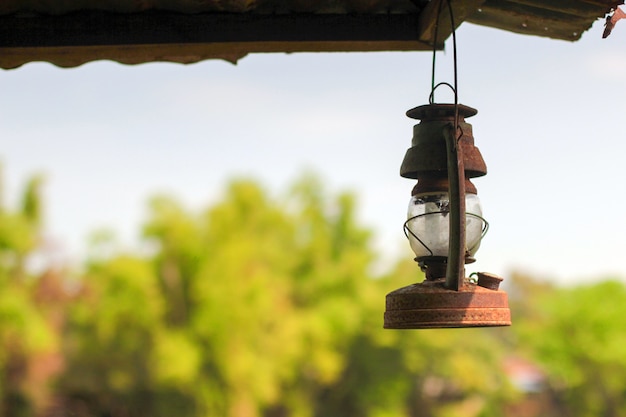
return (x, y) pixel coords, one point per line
(577, 334)
(32, 201)
(25, 333)
(113, 325)
(265, 306)
(20, 229)
(276, 298)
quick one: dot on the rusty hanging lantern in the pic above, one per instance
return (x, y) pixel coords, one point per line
(445, 223)
(444, 228)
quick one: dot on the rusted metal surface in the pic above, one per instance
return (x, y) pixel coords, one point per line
(443, 158)
(427, 157)
(431, 305)
(455, 272)
(432, 184)
(489, 281)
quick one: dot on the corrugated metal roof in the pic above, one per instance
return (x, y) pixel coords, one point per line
(72, 32)
(566, 20)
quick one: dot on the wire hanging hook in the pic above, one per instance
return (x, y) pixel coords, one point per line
(431, 97)
(454, 53)
(454, 88)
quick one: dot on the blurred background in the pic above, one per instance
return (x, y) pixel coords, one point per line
(218, 240)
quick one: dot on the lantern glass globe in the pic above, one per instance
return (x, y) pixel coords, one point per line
(428, 222)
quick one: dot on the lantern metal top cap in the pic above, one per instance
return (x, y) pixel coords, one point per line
(440, 111)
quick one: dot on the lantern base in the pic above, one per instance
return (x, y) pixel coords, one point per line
(430, 305)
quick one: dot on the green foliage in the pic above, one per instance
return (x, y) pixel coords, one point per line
(245, 309)
(111, 333)
(25, 332)
(17, 237)
(265, 306)
(31, 200)
(578, 336)
(19, 229)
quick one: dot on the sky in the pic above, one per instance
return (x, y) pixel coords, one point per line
(549, 126)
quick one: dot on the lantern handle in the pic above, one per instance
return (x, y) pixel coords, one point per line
(431, 96)
(455, 272)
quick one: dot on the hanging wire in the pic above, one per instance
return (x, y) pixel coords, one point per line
(456, 81)
(454, 88)
(432, 78)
